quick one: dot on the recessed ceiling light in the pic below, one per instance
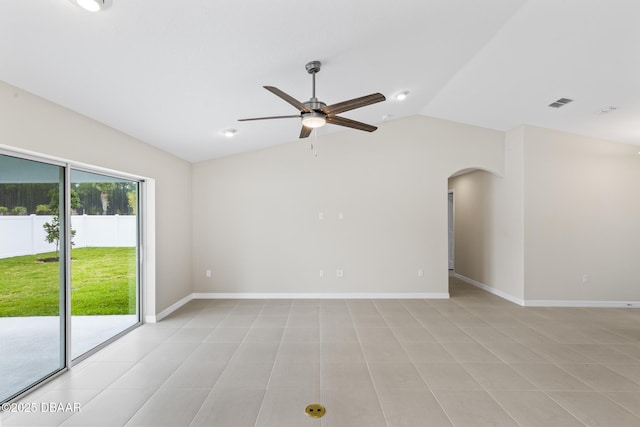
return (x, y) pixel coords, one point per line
(92, 5)
(401, 96)
(229, 133)
(387, 117)
(607, 110)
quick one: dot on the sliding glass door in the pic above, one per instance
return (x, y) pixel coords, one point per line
(104, 266)
(32, 276)
(69, 266)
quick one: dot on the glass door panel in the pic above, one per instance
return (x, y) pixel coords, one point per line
(104, 258)
(32, 273)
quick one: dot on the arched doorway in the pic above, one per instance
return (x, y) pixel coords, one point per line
(471, 216)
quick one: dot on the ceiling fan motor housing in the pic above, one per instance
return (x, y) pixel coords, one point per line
(314, 104)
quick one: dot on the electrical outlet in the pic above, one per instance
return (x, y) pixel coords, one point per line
(208, 273)
(321, 274)
(339, 273)
(420, 272)
(585, 279)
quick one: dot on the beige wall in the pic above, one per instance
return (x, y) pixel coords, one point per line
(553, 208)
(582, 211)
(489, 223)
(31, 123)
(256, 215)
(566, 206)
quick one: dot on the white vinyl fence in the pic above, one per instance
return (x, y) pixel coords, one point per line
(25, 235)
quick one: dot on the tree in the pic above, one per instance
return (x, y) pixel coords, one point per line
(28, 195)
(132, 199)
(53, 228)
(105, 188)
(117, 199)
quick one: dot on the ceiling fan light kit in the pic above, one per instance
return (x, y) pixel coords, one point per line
(313, 120)
(92, 5)
(315, 113)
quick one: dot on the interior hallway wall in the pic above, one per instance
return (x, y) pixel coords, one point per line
(489, 224)
(256, 216)
(567, 206)
(582, 211)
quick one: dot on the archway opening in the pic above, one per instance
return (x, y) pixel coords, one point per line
(471, 228)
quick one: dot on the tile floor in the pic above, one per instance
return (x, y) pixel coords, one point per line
(39, 338)
(473, 360)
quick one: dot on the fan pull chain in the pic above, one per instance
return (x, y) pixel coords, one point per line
(315, 139)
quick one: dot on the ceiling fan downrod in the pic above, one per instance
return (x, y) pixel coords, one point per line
(313, 67)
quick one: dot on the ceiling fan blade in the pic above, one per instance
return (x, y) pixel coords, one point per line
(297, 116)
(353, 103)
(305, 131)
(291, 100)
(341, 121)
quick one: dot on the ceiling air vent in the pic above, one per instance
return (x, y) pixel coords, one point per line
(560, 102)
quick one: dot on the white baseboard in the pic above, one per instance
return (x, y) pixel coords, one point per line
(244, 295)
(547, 303)
(489, 289)
(167, 311)
(581, 303)
(382, 295)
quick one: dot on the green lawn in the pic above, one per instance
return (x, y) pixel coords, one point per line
(103, 281)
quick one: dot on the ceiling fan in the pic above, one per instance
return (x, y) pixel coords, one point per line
(315, 113)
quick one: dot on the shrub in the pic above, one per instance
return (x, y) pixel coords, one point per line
(3, 210)
(43, 210)
(20, 210)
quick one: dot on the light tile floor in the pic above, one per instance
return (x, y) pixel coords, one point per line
(472, 360)
(30, 346)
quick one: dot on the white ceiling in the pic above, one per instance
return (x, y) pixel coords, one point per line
(175, 74)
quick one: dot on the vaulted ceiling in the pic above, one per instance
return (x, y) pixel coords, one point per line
(176, 74)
